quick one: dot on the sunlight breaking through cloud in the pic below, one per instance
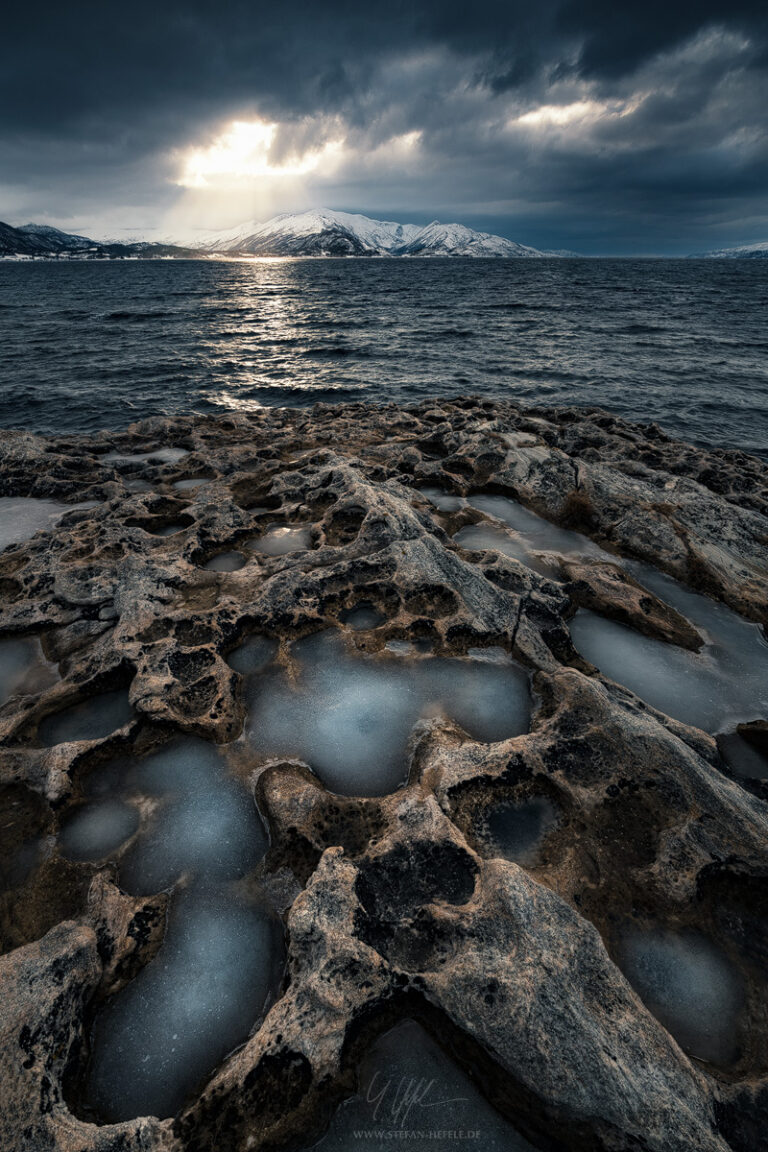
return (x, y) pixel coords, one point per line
(244, 151)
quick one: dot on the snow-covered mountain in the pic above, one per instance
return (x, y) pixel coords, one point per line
(745, 252)
(41, 240)
(316, 233)
(327, 233)
(438, 239)
(50, 239)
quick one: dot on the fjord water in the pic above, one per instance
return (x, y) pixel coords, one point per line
(682, 342)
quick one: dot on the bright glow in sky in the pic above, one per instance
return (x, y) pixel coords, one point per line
(242, 152)
(578, 112)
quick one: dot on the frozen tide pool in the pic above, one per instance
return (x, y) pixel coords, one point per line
(24, 669)
(282, 539)
(690, 985)
(201, 995)
(723, 684)
(349, 715)
(156, 456)
(517, 830)
(22, 516)
(203, 823)
(206, 988)
(520, 533)
(91, 719)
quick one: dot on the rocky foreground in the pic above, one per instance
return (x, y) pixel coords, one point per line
(393, 906)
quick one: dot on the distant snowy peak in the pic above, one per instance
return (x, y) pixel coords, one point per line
(53, 239)
(438, 239)
(327, 233)
(745, 252)
(317, 233)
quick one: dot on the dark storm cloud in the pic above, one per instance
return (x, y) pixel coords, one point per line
(94, 96)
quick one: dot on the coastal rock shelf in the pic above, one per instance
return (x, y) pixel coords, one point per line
(344, 749)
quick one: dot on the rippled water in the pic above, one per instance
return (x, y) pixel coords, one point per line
(680, 342)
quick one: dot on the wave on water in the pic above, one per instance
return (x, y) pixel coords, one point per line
(678, 342)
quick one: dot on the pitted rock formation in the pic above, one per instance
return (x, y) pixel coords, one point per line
(395, 906)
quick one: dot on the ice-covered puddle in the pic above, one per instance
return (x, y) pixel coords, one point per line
(517, 830)
(24, 669)
(349, 715)
(525, 537)
(204, 824)
(93, 831)
(168, 529)
(443, 500)
(742, 758)
(158, 455)
(714, 689)
(22, 516)
(489, 537)
(162, 1035)
(191, 484)
(226, 562)
(407, 1084)
(281, 539)
(363, 616)
(691, 987)
(723, 684)
(206, 988)
(91, 719)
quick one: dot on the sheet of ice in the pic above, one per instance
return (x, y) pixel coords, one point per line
(690, 985)
(23, 668)
(517, 831)
(280, 539)
(407, 1086)
(205, 823)
(226, 562)
(443, 500)
(349, 715)
(538, 534)
(723, 684)
(92, 719)
(528, 535)
(253, 655)
(742, 758)
(189, 485)
(489, 537)
(97, 828)
(158, 455)
(200, 997)
(206, 988)
(362, 616)
(489, 700)
(22, 516)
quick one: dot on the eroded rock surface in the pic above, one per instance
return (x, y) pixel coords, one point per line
(395, 907)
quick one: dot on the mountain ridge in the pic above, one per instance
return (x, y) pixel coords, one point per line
(315, 233)
(742, 252)
(329, 232)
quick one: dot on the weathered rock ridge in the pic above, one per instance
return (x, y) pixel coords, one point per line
(396, 906)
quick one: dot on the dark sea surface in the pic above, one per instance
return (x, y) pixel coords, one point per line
(94, 345)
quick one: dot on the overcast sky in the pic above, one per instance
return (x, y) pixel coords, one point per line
(608, 126)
